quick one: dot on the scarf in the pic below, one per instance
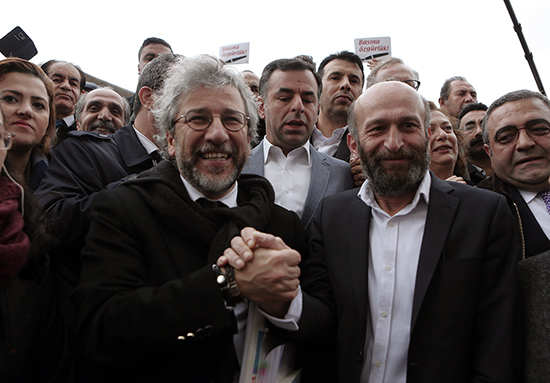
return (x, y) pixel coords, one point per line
(14, 243)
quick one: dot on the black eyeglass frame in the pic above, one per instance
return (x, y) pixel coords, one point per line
(544, 131)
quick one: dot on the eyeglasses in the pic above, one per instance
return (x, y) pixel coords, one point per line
(415, 84)
(510, 134)
(201, 119)
(6, 141)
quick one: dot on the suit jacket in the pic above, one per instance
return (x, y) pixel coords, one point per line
(463, 323)
(150, 309)
(532, 238)
(328, 176)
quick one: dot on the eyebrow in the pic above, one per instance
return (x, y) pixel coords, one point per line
(21, 95)
(527, 124)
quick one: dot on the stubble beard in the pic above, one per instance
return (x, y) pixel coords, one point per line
(397, 180)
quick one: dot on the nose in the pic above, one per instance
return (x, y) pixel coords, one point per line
(65, 85)
(479, 131)
(25, 108)
(345, 85)
(298, 104)
(525, 141)
(216, 132)
(469, 99)
(104, 114)
(394, 140)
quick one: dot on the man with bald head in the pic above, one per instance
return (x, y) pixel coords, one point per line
(101, 110)
(440, 291)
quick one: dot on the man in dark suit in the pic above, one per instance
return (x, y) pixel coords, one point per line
(153, 307)
(300, 175)
(516, 131)
(423, 292)
(69, 82)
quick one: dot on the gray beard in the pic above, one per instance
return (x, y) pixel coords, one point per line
(212, 184)
(400, 180)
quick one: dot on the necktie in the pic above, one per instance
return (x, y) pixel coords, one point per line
(546, 198)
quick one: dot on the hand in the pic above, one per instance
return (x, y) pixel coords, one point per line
(357, 171)
(372, 63)
(456, 179)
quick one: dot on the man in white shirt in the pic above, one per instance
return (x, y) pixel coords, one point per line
(342, 77)
(301, 176)
(423, 291)
(516, 131)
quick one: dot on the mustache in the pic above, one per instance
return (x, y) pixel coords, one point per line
(103, 125)
(210, 147)
(476, 140)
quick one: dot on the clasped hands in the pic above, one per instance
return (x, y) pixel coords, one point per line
(266, 269)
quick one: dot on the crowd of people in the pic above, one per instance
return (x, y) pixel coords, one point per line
(389, 238)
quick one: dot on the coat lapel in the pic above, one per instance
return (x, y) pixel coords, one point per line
(255, 164)
(320, 177)
(441, 211)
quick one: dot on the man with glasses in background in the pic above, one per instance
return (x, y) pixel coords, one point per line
(516, 131)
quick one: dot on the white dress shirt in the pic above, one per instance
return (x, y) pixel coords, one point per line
(394, 252)
(327, 145)
(538, 208)
(289, 175)
(292, 317)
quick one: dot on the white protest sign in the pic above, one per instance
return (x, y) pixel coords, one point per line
(373, 47)
(235, 53)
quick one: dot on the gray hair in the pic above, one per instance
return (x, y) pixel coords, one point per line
(371, 78)
(79, 108)
(187, 75)
(446, 88)
(353, 127)
(509, 97)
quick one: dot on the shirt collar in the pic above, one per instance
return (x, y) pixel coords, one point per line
(528, 196)
(230, 199)
(336, 135)
(269, 147)
(149, 145)
(69, 120)
(366, 193)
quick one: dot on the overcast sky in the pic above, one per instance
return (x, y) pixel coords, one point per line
(437, 38)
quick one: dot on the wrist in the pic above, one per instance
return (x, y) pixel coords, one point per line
(225, 278)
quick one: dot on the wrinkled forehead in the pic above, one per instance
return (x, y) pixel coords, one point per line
(518, 112)
(104, 96)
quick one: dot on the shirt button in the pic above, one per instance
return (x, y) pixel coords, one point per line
(388, 268)
(377, 363)
(286, 168)
(287, 191)
(384, 314)
(391, 224)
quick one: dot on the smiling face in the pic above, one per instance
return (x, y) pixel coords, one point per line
(66, 80)
(525, 163)
(24, 100)
(290, 110)
(342, 84)
(393, 143)
(103, 112)
(443, 141)
(211, 159)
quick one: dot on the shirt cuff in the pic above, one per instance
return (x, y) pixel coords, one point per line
(292, 317)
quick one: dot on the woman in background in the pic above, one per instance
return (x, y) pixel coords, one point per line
(26, 97)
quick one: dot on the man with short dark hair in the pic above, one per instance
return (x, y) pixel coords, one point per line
(469, 123)
(102, 110)
(69, 82)
(342, 77)
(153, 304)
(516, 131)
(455, 93)
(300, 175)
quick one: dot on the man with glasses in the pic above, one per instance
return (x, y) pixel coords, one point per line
(469, 122)
(516, 131)
(154, 306)
(300, 175)
(393, 69)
